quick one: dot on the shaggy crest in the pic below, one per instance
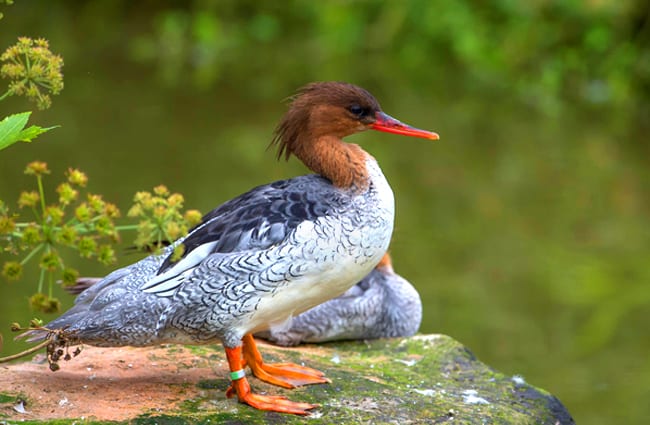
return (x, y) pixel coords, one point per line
(296, 126)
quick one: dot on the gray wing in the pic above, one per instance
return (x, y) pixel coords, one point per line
(263, 217)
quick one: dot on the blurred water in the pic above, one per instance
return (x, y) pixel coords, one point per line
(526, 234)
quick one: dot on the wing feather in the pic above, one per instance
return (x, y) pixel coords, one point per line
(258, 219)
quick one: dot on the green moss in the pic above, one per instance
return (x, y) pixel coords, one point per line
(161, 420)
(7, 398)
(422, 379)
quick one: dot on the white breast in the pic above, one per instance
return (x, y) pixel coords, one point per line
(331, 255)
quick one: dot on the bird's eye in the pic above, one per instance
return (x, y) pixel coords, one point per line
(357, 110)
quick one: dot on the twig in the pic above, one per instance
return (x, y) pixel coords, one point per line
(25, 353)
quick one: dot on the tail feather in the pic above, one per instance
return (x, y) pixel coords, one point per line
(81, 285)
(60, 324)
(34, 335)
(70, 317)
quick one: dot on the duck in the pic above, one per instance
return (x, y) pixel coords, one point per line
(382, 305)
(260, 258)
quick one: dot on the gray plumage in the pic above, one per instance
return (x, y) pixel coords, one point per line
(382, 305)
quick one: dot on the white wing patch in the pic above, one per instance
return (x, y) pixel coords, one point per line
(165, 284)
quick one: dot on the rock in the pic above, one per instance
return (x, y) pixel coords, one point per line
(423, 379)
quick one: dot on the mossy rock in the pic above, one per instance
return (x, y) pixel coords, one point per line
(423, 379)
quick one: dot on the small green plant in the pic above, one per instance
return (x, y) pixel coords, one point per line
(84, 222)
(34, 72)
(78, 220)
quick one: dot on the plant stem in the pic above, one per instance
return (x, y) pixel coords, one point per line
(24, 353)
(31, 254)
(35, 211)
(50, 284)
(40, 281)
(126, 227)
(8, 93)
(41, 192)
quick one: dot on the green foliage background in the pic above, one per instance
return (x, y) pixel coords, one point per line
(525, 229)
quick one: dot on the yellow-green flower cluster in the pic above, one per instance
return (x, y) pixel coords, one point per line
(85, 224)
(34, 71)
(162, 220)
(12, 270)
(37, 168)
(7, 221)
(44, 303)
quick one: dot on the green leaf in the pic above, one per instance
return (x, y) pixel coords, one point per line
(31, 132)
(12, 130)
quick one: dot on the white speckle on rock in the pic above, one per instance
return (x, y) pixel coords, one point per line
(471, 397)
(20, 407)
(336, 359)
(427, 392)
(427, 338)
(315, 415)
(518, 380)
(408, 363)
(63, 402)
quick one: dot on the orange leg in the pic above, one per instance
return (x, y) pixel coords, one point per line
(287, 375)
(240, 387)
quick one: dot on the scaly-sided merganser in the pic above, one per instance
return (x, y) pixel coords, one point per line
(263, 257)
(382, 305)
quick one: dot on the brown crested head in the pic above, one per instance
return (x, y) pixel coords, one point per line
(320, 115)
(324, 109)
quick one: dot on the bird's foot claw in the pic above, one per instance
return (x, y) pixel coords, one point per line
(288, 375)
(277, 404)
(267, 402)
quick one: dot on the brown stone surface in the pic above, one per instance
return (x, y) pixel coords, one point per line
(109, 383)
